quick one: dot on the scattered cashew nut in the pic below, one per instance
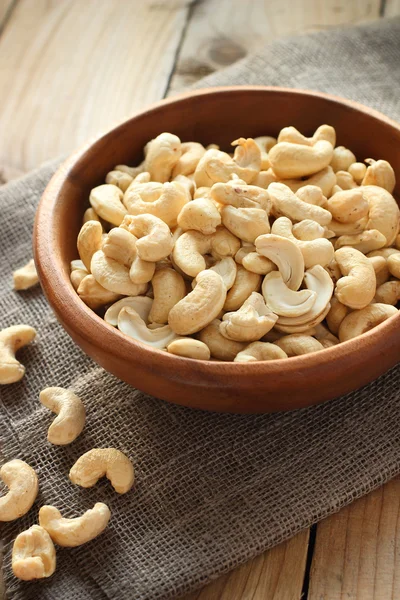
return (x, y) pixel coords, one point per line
(71, 415)
(100, 462)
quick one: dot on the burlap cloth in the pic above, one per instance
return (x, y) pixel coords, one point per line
(212, 490)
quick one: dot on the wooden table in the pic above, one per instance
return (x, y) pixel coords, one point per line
(73, 68)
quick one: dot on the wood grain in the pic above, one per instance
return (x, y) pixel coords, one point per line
(222, 31)
(275, 575)
(357, 551)
(391, 8)
(75, 68)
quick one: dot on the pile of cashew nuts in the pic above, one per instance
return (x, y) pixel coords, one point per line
(285, 247)
(34, 554)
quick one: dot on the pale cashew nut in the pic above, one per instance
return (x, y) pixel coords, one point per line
(292, 135)
(264, 178)
(324, 179)
(357, 288)
(254, 262)
(298, 344)
(315, 252)
(168, 289)
(217, 166)
(199, 307)
(245, 283)
(154, 236)
(345, 180)
(365, 242)
(191, 153)
(322, 333)
(191, 246)
(189, 348)
(348, 206)
(265, 143)
(388, 293)
(342, 159)
(33, 554)
(220, 347)
(286, 255)
(384, 213)
(393, 263)
(248, 324)
(100, 462)
(95, 295)
(286, 204)
(141, 304)
(161, 156)
(71, 415)
(260, 351)
(224, 243)
(25, 277)
(357, 170)
(336, 314)
(334, 270)
(381, 269)
(309, 230)
(201, 215)
(120, 245)
(245, 223)
(90, 240)
(290, 160)
(240, 196)
(132, 171)
(141, 271)
(106, 200)
(361, 321)
(380, 173)
(312, 194)
(284, 301)
(23, 486)
(70, 533)
(163, 200)
(130, 323)
(120, 179)
(77, 276)
(90, 215)
(348, 228)
(113, 276)
(11, 340)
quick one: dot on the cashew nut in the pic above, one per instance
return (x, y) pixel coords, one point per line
(315, 252)
(324, 179)
(106, 200)
(298, 344)
(342, 159)
(132, 171)
(93, 294)
(33, 554)
(365, 242)
(388, 293)
(361, 321)
(155, 239)
(248, 324)
(161, 156)
(286, 255)
(336, 314)
(100, 462)
(200, 306)
(289, 160)
(260, 351)
(71, 415)
(357, 288)
(345, 180)
(357, 170)
(220, 347)
(284, 301)
(191, 246)
(286, 204)
(348, 228)
(380, 173)
(189, 348)
(265, 143)
(240, 196)
(245, 283)
(309, 230)
(312, 194)
(245, 223)
(191, 153)
(25, 277)
(254, 262)
(201, 215)
(76, 276)
(113, 276)
(348, 206)
(11, 340)
(90, 215)
(130, 323)
(217, 166)
(291, 134)
(23, 486)
(384, 213)
(120, 245)
(163, 200)
(141, 304)
(393, 263)
(74, 532)
(168, 288)
(381, 269)
(89, 241)
(224, 243)
(120, 179)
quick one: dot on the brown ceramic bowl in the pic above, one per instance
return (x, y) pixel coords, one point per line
(217, 115)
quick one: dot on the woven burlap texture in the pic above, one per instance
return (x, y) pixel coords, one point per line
(212, 490)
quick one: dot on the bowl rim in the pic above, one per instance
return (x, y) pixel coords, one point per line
(85, 323)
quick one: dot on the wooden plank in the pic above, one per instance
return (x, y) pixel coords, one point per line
(75, 68)
(357, 551)
(275, 575)
(222, 31)
(391, 8)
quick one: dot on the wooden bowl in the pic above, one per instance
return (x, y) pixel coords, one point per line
(217, 115)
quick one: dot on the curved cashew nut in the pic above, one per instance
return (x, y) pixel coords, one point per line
(240, 196)
(76, 276)
(324, 179)
(286, 204)
(90, 215)
(248, 324)
(357, 170)
(382, 273)
(336, 314)
(260, 351)
(265, 143)
(216, 166)
(132, 171)
(342, 159)
(393, 263)
(89, 241)
(348, 228)
(315, 252)
(130, 323)
(162, 154)
(365, 242)
(71, 415)
(189, 348)
(106, 200)
(227, 269)
(312, 194)
(290, 160)
(245, 223)
(11, 340)
(168, 289)
(25, 277)
(357, 288)
(380, 173)
(348, 206)
(345, 181)
(191, 246)
(309, 230)
(361, 321)
(245, 283)
(163, 200)
(23, 486)
(191, 153)
(298, 344)
(293, 135)
(93, 294)
(141, 304)
(120, 179)
(388, 293)
(254, 262)
(33, 554)
(120, 245)
(220, 347)
(201, 215)
(286, 255)
(154, 236)
(384, 213)
(100, 462)
(74, 532)
(200, 306)
(224, 243)
(284, 301)
(113, 276)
